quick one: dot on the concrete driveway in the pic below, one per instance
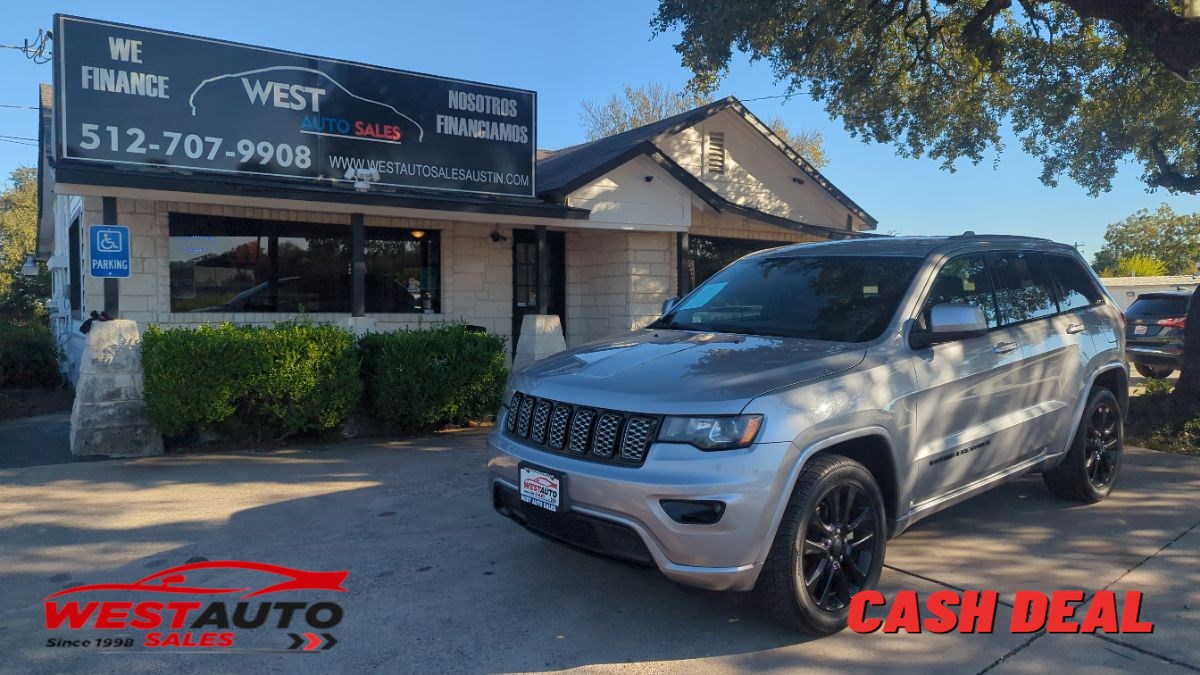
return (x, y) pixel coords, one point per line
(438, 582)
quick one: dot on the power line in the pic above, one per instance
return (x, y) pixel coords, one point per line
(18, 138)
(35, 52)
(793, 94)
(18, 106)
(9, 140)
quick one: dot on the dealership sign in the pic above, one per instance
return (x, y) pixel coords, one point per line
(128, 96)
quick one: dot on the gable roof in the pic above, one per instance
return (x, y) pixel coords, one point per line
(561, 172)
(569, 169)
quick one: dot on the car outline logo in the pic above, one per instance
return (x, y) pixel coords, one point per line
(171, 580)
(192, 96)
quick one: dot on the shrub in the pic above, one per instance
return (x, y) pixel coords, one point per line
(1160, 422)
(1155, 387)
(28, 356)
(283, 380)
(426, 378)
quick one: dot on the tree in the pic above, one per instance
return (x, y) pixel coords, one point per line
(1163, 235)
(1138, 266)
(810, 143)
(1084, 84)
(635, 107)
(21, 297)
(639, 106)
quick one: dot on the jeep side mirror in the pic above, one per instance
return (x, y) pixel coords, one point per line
(669, 304)
(949, 322)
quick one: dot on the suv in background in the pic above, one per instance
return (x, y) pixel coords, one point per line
(773, 429)
(1155, 332)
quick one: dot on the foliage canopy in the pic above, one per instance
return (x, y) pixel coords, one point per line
(1085, 84)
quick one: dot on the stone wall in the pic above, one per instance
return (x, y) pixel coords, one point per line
(616, 281)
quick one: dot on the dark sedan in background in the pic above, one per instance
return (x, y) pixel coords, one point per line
(1154, 332)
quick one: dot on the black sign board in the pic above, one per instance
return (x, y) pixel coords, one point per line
(136, 96)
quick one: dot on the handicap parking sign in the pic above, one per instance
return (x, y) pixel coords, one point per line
(109, 251)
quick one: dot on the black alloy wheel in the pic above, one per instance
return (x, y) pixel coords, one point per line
(1103, 444)
(1092, 464)
(830, 545)
(838, 547)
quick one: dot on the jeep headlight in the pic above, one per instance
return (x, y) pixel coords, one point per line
(711, 433)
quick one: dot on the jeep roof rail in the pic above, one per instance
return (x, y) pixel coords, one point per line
(972, 234)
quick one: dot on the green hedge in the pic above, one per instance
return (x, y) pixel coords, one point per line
(28, 356)
(247, 380)
(427, 378)
(294, 377)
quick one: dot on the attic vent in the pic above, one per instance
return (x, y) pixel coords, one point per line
(716, 152)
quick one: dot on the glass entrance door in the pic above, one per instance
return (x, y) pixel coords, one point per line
(526, 281)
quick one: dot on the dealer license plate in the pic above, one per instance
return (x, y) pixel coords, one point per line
(541, 488)
(1139, 330)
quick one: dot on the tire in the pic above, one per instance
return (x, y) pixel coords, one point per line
(1154, 372)
(837, 564)
(1091, 467)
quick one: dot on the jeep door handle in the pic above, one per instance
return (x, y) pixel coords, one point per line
(1004, 347)
(1074, 328)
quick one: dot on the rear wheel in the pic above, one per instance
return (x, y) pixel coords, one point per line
(1090, 468)
(830, 545)
(1154, 372)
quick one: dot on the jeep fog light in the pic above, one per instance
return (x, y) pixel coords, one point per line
(711, 433)
(693, 511)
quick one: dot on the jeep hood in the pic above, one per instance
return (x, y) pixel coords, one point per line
(682, 372)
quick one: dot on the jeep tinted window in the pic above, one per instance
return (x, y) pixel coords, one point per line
(1024, 289)
(1075, 284)
(833, 298)
(963, 280)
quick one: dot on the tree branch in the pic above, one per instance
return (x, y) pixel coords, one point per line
(1171, 38)
(1169, 176)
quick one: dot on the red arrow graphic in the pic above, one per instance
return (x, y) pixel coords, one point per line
(314, 641)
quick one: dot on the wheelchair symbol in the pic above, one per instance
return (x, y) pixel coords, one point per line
(109, 242)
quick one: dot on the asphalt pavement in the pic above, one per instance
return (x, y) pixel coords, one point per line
(437, 582)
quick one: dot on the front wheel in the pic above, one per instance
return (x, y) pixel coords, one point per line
(830, 545)
(1090, 468)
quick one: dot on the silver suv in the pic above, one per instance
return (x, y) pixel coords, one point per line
(774, 428)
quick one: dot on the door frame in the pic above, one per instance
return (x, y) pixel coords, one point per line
(528, 262)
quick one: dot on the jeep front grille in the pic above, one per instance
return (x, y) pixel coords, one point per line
(598, 435)
(558, 426)
(524, 417)
(605, 439)
(639, 432)
(541, 416)
(581, 430)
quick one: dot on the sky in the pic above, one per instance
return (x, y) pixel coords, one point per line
(574, 51)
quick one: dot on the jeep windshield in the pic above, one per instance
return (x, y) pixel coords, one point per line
(831, 298)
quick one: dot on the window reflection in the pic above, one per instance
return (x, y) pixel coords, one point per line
(223, 264)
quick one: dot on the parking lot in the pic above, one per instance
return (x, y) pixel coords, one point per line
(438, 582)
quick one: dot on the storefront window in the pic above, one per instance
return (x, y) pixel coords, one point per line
(402, 270)
(223, 264)
(710, 254)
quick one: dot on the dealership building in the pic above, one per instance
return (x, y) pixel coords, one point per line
(249, 185)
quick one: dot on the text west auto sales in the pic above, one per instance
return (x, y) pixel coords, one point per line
(133, 96)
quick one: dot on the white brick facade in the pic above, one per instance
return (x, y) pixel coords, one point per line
(476, 274)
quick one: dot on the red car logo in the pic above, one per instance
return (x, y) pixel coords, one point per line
(174, 580)
(541, 481)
